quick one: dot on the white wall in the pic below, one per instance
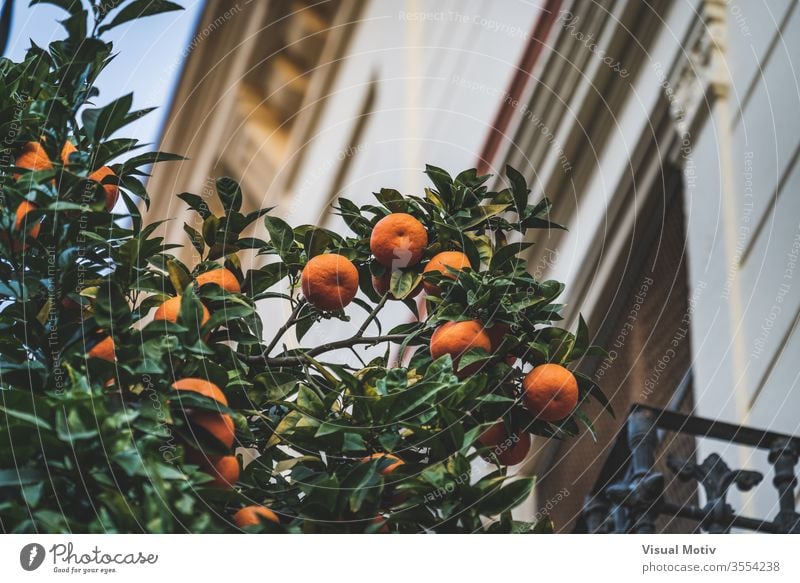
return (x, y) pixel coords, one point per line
(744, 240)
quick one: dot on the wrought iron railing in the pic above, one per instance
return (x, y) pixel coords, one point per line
(629, 494)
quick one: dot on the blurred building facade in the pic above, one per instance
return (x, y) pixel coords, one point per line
(666, 134)
(676, 120)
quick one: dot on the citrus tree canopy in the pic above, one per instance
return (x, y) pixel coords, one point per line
(139, 393)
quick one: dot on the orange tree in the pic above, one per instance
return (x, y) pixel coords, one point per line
(130, 381)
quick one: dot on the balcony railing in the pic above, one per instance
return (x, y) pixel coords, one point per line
(629, 496)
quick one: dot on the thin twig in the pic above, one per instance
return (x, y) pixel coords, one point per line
(282, 330)
(372, 315)
(321, 349)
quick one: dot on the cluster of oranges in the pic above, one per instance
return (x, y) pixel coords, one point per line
(398, 241)
(224, 469)
(33, 157)
(171, 309)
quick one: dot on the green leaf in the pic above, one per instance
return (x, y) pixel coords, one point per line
(316, 241)
(178, 275)
(391, 199)
(26, 417)
(363, 482)
(196, 203)
(507, 497)
(111, 309)
(504, 254)
(309, 402)
(403, 282)
(519, 188)
(140, 9)
(230, 194)
(482, 213)
(589, 387)
(210, 228)
(101, 123)
(281, 235)
(20, 477)
(584, 419)
(68, 5)
(443, 183)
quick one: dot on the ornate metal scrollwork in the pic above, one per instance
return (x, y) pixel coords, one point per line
(716, 478)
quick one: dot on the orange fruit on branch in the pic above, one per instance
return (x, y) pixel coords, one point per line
(171, 309)
(33, 157)
(253, 515)
(21, 225)
(104, 350)
(329, 281)
(509, 449)
(550, 392)
(222, 277)
(20, 219)
(225, 471)
(398, 240)
(439, 264)
(201, 387)
(111, 190)
(69, 148)
(218, 425)
(396, 462)
(456, 338)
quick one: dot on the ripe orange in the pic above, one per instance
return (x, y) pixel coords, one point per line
(201, 387)
(398, 240)
(20, 223)
(33, 157)
(396, 462)
(252, 516)
(219, 425)
(456, 338)
(221, 277)
(550, 392)
(104, 350)
(329, 281)
(68, 149)
(382, 284)
(111, 190)
(439, 264)
(509, 449)
(170, 310)
(225, 471)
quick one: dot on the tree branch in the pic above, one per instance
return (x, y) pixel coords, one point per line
(288, 324)
(372, 315)
(321, 349)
